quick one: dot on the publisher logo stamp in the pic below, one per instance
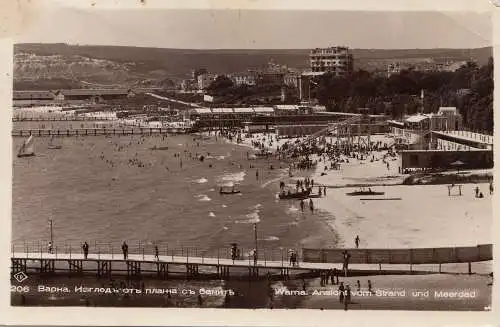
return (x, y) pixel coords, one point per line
(20, 276)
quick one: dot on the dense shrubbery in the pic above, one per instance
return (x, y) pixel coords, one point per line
(228, 93)
(399, 94)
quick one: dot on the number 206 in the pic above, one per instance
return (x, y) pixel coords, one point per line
(19, 289)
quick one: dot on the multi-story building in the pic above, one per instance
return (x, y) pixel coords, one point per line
(246, 78)
(270, 77)
(292, 79)
(393, 68)
(188, 85)
(337, 60)
(424, 65)
(204, 81)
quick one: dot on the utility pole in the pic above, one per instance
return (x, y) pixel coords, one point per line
(51, 232)
(255, 236)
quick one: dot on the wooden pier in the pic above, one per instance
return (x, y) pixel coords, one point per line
(63, 118)
(99, 131)
(312, 263)
(163, 267)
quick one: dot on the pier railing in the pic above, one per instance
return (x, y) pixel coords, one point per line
(442, 255)
(138, 249)
(61, 118)
(99, 131)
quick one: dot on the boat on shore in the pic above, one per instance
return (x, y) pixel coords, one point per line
(159, 147)
(365, 192)
(27, 148)
(263, 154)
(314, 196)
(297, 195)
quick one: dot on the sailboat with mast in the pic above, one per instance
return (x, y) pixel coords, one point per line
(54, 146)
(27, 148)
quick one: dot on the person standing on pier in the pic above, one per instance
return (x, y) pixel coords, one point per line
(302, 205)
(50, 247)
(477, 191)
(157, 253)
(356, 241)
(125, 250)
(85, 248)
(255, 257)
(324, 190)
(341, 292)
(200, 300)
(346, 262)
(311, 205)
(370, 286)
(347, 297)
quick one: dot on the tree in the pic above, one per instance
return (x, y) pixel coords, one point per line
(220, 85)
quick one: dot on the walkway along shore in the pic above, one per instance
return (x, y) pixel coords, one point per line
(314, 263)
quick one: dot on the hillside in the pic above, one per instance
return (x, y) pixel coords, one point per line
(131, 65)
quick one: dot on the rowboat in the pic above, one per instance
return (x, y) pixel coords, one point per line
(365, 192)
(297, 195)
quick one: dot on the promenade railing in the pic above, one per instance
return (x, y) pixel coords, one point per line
(146, 251)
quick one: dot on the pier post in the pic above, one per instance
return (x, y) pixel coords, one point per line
(411, 261)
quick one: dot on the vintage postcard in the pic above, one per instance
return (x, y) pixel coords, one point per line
(233, 156)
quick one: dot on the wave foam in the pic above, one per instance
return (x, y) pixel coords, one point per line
(211, 214)
(233, 177)
(201, 180)
(203, 197)
(271, 238)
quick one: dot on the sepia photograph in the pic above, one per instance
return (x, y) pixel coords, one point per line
(253, 159)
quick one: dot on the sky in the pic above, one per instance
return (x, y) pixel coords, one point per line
(252, 29)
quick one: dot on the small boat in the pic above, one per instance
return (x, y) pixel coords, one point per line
(53, 146)
(27, 148)
(263, 154)
(297, 195)
(159, 147)
(232, 191)
(365, 192)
